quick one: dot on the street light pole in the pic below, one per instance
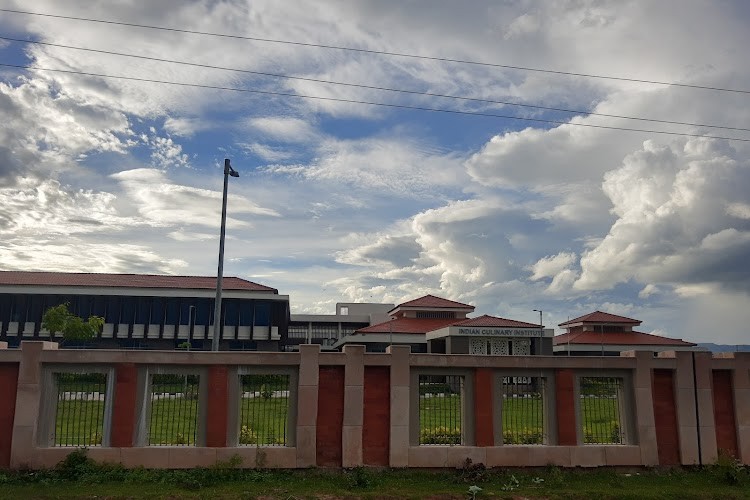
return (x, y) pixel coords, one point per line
(218, 324)
(541, 328)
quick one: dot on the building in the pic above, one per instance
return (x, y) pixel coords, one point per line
(436, 325)
(604, 334)
(146, 311)
(328, 329)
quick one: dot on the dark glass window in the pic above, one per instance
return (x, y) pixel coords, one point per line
(231, 312)
(143, 310)
(113, 310)
(173, 311)
(263, 314)
(246, 312)
(99, 306)
(185, 312)
(157, 310)
(128, 310)
(204, 311)
(35, 308)
(18, 312)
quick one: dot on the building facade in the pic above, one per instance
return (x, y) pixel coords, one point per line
(604, 334)
(146, 311)
(328, 329)
(432, 324)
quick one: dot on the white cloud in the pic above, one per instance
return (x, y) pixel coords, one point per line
(552, 265)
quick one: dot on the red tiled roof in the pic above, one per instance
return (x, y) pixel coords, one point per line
(127, 281)
(434, 302)
(602, 317)
(619, 338)
(408, 325)
(494, 321)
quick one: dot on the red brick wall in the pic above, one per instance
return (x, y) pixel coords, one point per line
(330, 416)
(376, 421)
(566, 407)
(726, 430)
(665, 417)
(123, 408)
(483, 399)
(217, 408)
(8, 385)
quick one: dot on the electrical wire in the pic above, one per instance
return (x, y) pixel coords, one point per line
(378, 52)
(370, 103)
(372, 87)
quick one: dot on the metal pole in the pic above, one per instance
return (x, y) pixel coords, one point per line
(191, 325)
(218, 323)
(541, 328)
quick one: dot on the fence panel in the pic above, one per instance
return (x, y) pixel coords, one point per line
(79, 409)
(523, 410)
(601, 404)
(173, 410)
(441, 409)
(264, 410)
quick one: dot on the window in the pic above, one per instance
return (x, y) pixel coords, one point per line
(297, 331)
(262, 314)
(344, 311)
(435, 314)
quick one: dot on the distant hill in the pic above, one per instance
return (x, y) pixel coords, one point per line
(726, 347)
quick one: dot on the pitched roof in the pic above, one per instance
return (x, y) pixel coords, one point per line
(127, 281)
(408, 325)
(494, 321)
(601, 317)
(617, 338)
(435, 302)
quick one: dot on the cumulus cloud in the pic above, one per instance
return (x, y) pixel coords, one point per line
(672, 221)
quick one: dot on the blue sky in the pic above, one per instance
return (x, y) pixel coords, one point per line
(350, 202)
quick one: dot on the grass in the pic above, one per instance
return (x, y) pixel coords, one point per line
(78, 477)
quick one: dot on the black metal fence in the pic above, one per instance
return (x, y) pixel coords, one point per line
(264, 410)
(601, 410)
(79, 409)
(173, 412)
(523, 410)
(441, 409)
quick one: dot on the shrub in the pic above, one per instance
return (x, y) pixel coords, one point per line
(248, 435)
(440, 435)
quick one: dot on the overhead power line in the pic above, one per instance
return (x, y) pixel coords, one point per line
(378, 52)
(373, 87)
(370, 103)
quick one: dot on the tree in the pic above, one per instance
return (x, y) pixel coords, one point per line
(60, 319)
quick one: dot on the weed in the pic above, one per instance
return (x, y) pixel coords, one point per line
(474, 490)
(474, 473)
(729, 469)
(359, 478)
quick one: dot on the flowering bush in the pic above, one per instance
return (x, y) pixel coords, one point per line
(440, 435)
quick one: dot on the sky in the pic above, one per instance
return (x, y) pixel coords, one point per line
(340, 201)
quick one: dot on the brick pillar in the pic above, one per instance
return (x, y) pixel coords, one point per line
(354, 394)
(483, 404)
(704, 396)
(726, 428)
(330, 416)
(741, 385)
(644, 408)
(307, 404)
(8, 386)
(124, 406)
(28, 403)
(400, 415)
(218, 406)
(376, 421)
(665, 417)
(566, 407)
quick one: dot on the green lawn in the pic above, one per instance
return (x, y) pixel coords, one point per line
(96, 481)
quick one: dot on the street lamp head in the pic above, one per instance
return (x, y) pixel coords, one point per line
(229, 170)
